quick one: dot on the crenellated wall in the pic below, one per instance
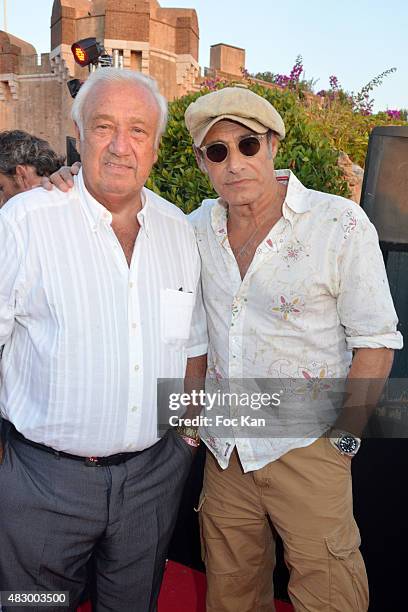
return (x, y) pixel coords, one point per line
(162, 42)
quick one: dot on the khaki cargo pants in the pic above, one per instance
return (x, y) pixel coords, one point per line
(307, 496)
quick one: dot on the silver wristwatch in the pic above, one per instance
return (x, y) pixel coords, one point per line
(345, 442)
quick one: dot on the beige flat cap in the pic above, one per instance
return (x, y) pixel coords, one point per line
(237, 104)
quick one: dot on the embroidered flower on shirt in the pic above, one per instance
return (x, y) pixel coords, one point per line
(288, 307)
(315, 383)
(349, 223)
(293, 252)
(214, 372)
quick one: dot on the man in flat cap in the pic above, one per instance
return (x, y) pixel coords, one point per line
(295, 290)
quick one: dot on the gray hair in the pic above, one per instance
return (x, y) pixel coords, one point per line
(118, 75)
(20, 148)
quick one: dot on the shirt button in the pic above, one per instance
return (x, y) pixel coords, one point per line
(130, 285)
(136, 368)
(134, 408)
(134, 325)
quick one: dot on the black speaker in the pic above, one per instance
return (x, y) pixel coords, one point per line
(385, 200)
(72, 153)
(385, 188)
(380, 468)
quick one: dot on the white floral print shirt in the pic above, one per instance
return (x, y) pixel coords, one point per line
(315, 290)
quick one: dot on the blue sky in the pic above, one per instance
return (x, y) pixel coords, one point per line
(353, 39)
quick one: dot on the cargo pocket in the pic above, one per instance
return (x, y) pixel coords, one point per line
(200, 523)
(347, 575)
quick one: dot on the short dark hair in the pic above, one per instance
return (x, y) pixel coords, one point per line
(18, 147)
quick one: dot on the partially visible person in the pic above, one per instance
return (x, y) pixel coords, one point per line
(24, 160)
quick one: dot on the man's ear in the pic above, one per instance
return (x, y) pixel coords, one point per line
(23, 176)
(200, 160)
(274, 145)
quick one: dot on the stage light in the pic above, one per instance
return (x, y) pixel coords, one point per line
(87, 51)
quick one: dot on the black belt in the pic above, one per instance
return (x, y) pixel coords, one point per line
(88, 461)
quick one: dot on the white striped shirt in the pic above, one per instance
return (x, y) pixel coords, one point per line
(86, 336)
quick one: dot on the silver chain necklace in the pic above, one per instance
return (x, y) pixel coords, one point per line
(243, 250)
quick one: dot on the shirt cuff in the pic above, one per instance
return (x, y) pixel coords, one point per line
(197, 351)
(392, 340)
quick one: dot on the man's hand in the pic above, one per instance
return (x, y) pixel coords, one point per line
(62, 179)
(194, 381)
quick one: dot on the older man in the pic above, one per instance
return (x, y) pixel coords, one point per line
(99, 298)
(24, 159)
(294, 285)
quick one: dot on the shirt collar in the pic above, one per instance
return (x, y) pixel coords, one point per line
(96, 213)
(143, 216)
(297, 201)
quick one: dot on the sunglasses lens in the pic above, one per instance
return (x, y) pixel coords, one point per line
(249, 146)
(217, 152)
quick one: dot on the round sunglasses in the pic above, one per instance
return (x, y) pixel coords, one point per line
(217, 152)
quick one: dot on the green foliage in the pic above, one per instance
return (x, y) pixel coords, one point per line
(305, 150)
(346, 129)
(344, 119)
(361, 101)
(176, 175)
(269, 77)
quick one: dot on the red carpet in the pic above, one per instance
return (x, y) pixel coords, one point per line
(183, 590)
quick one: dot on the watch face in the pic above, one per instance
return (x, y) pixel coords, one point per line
(348, 444)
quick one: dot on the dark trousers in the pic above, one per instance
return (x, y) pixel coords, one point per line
(57, 512)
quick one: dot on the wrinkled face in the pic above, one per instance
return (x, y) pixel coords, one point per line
(239, 179)
(9, 187)
(118, 144)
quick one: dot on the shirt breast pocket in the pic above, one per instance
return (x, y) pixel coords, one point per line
(176, 311)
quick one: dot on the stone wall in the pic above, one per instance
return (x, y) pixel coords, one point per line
(227, 59)
(162, 42)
